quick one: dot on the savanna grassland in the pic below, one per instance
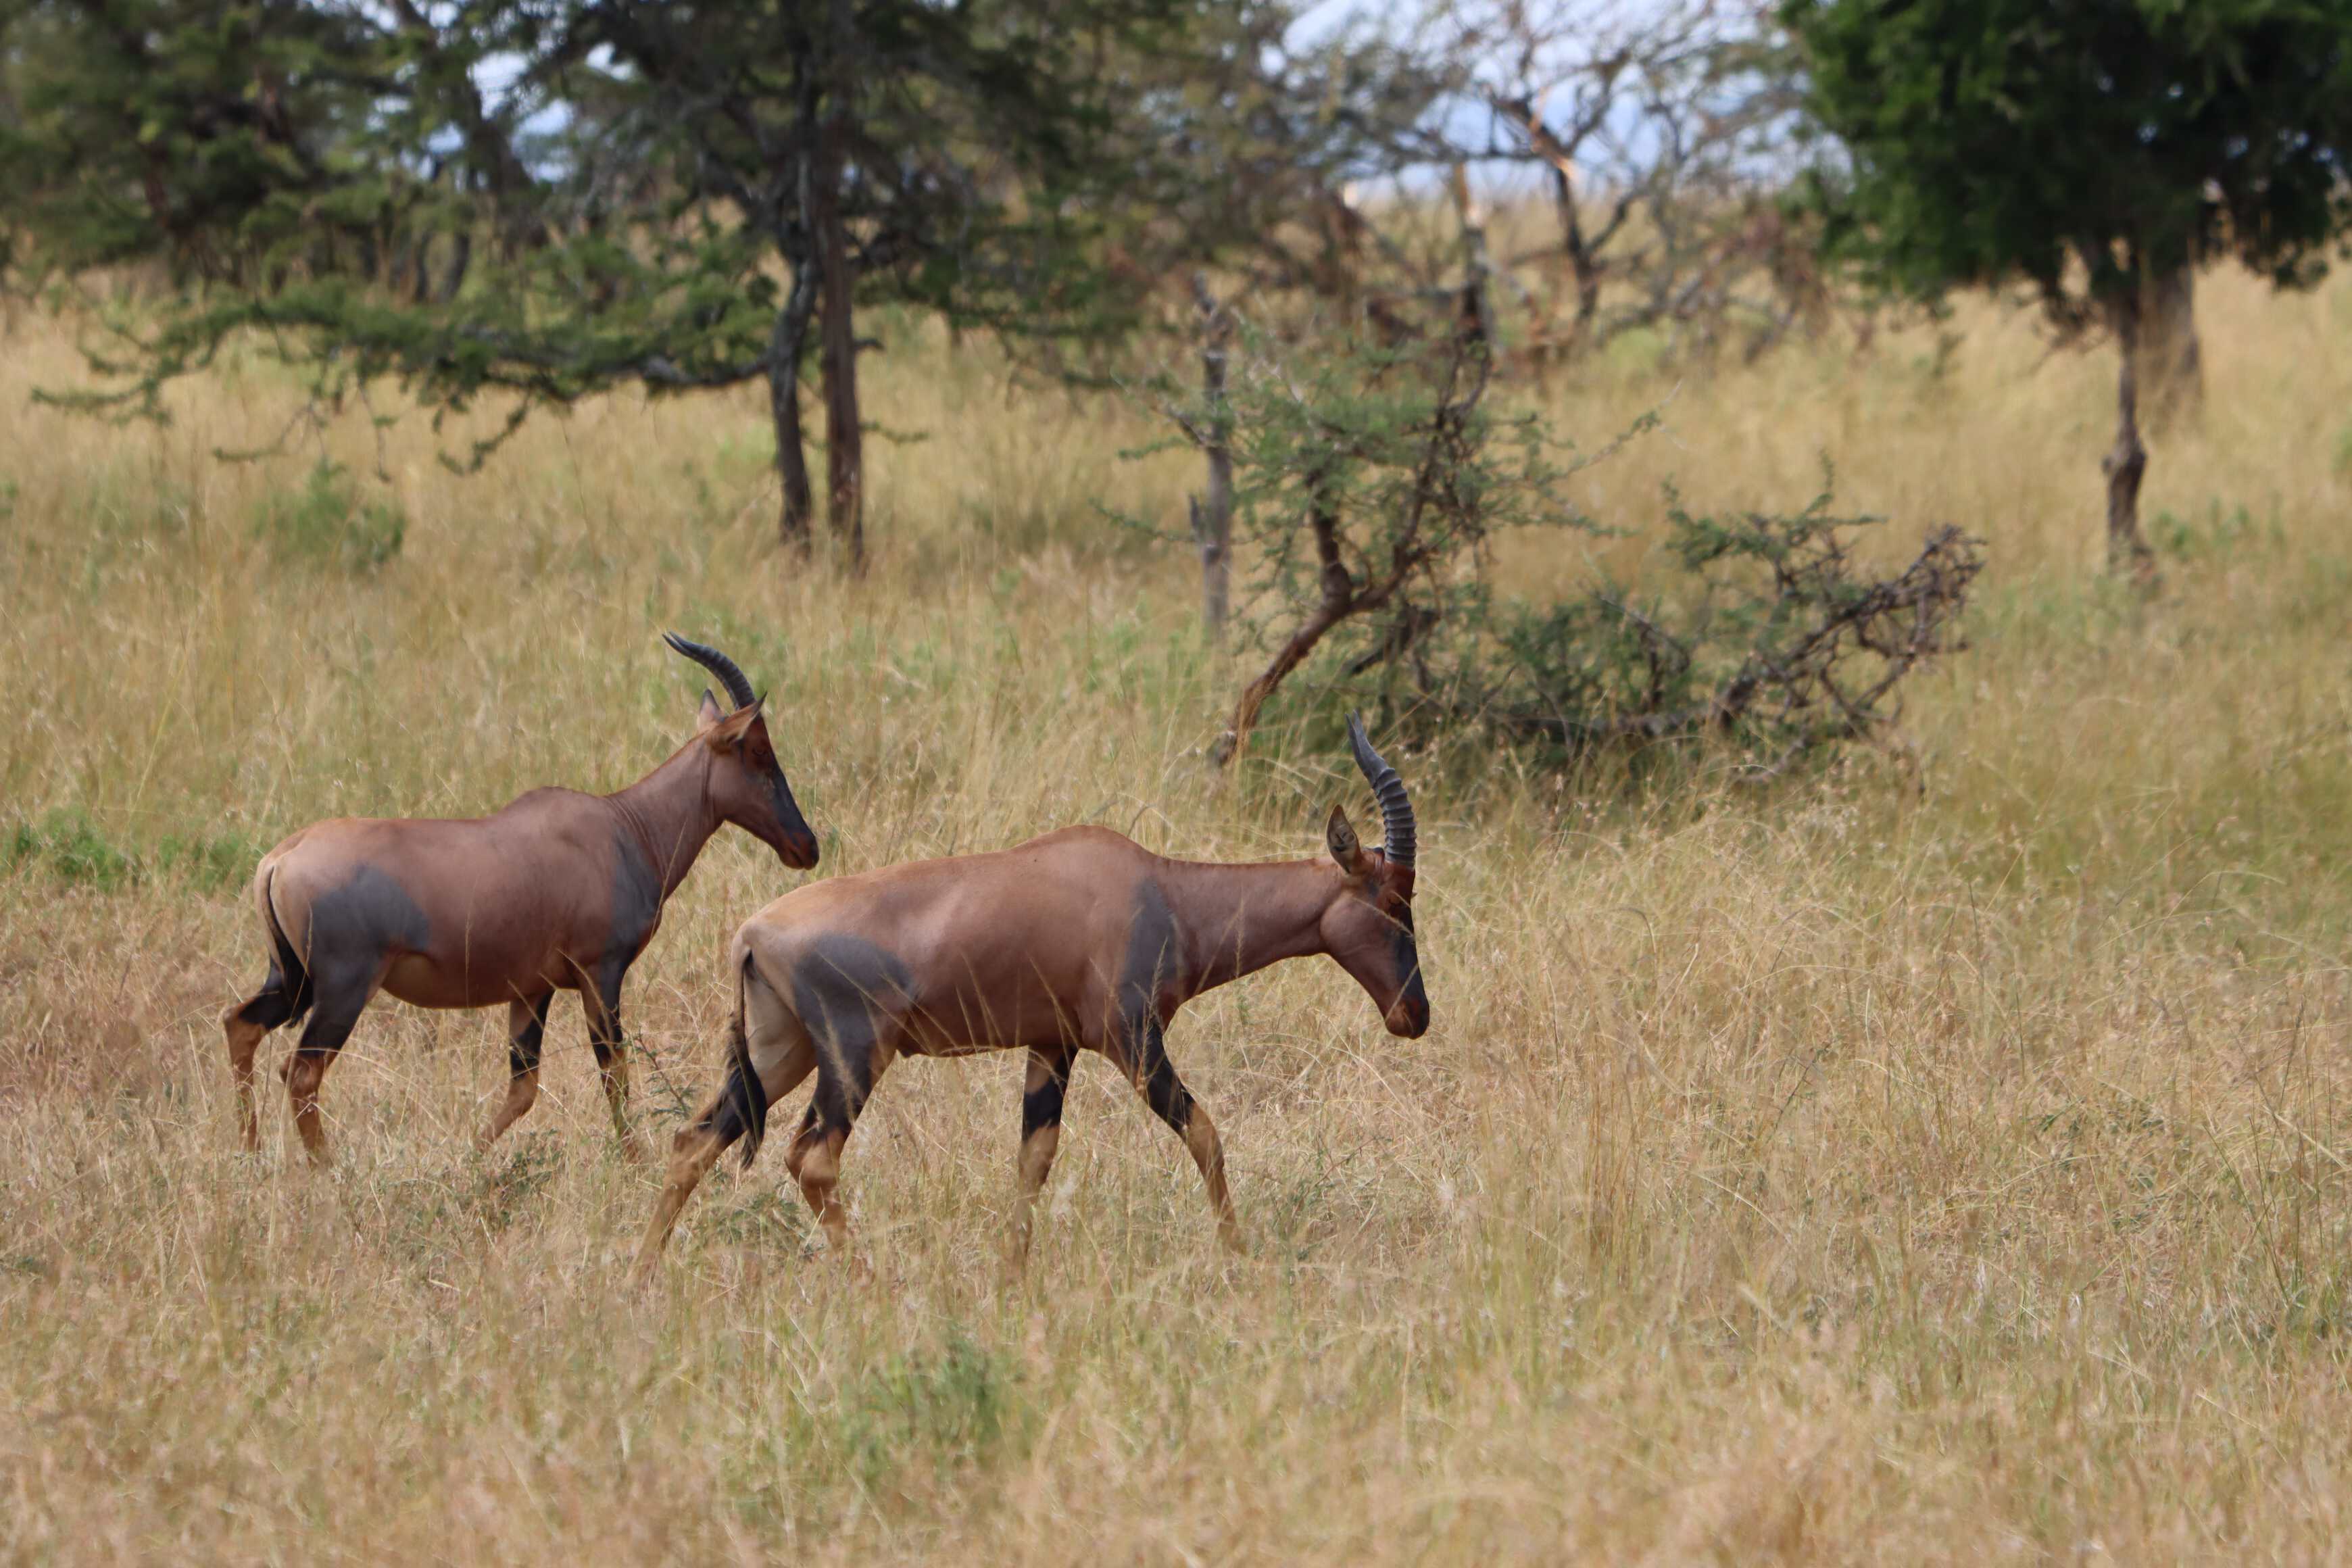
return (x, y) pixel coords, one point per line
(1941, 1157)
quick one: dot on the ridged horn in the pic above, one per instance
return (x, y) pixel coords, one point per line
(739, 690)
(1396, 807)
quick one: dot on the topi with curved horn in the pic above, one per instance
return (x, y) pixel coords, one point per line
(1396, 807)
(558, 891)
(730, 674)
(1080, 941)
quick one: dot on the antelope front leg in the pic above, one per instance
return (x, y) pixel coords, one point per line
(604, 1009)
(1175, 1104)
(1041, 1135)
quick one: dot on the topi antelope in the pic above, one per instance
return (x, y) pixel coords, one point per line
(1077, 940)
(560, 891)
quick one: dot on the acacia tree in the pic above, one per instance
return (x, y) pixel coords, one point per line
(1372, 479)
(2088, 151)
(556, 198)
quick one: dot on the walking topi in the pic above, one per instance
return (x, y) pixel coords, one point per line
(1077, 940)
(560, 891)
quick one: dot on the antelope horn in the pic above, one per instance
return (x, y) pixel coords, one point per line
(739, 690)
(1396, 809)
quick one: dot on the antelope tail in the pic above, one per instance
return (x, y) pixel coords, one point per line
(746, 1098)
(290, 966)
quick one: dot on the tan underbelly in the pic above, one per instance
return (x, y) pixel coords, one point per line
(422, 983)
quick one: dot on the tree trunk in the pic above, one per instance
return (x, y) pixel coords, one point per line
(1338, 601)
(792, 528)
(1213, 515)
(1476, 266)
(2172, 364)
(461, 257)
(2126, 463)
(1580, 260)
(845, 450)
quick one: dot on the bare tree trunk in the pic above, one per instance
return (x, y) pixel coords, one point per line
(1581, 262)
(461, 258)
(845, 449)
(2172, 363)
(793, 527)
(1213, 515)
(2126, 463)
(1476, 266)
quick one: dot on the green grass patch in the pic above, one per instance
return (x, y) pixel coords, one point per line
(960, 1405)
(68, 846)
(328, 523)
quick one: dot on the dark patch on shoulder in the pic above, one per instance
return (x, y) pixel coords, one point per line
(1153, 953)
(637, 899)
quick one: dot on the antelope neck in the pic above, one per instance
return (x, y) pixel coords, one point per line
(1232, 920)
(668, 814)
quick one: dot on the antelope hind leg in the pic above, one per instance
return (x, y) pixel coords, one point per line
(526, 1029)
(330, 1025)
(244, 1024)
(783, 1055)
(814, 1156)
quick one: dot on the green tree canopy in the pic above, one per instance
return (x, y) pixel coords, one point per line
(2087, 149)
(553, 197)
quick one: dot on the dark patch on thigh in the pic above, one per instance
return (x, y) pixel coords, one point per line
(846, 991)
(356, 928)
(370, 913)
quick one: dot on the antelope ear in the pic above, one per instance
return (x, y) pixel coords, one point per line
(709, 713)
(727, 734)
(1340, 835)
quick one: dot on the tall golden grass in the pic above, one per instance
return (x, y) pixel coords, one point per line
(1928, 1161)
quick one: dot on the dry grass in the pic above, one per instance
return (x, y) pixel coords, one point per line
(1841, 1173)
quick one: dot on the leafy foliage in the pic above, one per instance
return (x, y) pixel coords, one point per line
(2095, 152)
(1371, 480)
(553, 200)
(1996, 140)
(328, 523)
(1775, 641)
(1369, 476)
